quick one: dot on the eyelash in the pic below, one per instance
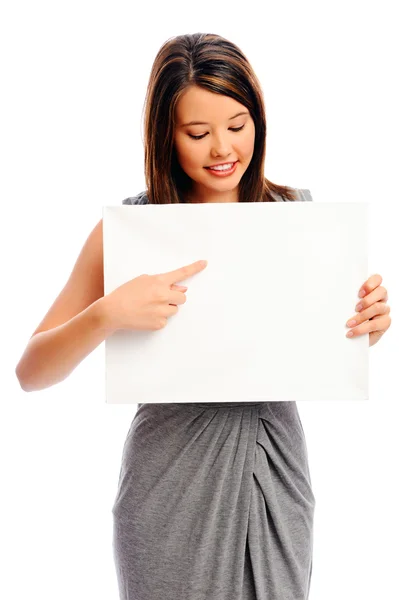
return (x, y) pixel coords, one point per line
(199, 137)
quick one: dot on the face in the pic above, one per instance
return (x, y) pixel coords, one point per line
(212, 129)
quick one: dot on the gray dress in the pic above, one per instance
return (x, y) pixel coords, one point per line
(214, 501)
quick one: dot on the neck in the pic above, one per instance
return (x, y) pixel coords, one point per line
(204, 196)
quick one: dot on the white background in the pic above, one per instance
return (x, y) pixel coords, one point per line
(73, 83)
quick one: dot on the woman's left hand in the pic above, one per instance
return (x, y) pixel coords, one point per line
(373, 312)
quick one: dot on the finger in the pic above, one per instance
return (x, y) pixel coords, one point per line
(170, 310)
(381, 323)
(184, 272)
(371, 283)
(177, 298)
(378, 294)
(181, 288)
(378, 308)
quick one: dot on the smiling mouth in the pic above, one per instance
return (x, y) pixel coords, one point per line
(222, 167)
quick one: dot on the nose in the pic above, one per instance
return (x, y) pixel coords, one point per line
(220, 146)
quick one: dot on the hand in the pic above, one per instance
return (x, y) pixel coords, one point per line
(146, 302)
(373, 314)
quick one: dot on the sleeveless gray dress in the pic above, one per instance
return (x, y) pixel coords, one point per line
(214, 501)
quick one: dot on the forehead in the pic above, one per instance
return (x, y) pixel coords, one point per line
(198, 104)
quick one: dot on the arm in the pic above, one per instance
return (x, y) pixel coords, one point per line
(52, 355)
(73, 327)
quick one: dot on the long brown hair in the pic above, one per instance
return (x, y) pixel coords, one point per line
(211, 62)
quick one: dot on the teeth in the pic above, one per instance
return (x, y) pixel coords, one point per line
(222, 167)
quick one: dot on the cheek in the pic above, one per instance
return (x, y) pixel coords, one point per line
(188, 155)
(247, 145)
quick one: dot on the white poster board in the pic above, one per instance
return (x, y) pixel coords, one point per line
(264, 321)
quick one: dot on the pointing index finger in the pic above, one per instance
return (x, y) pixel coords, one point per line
(183, 273)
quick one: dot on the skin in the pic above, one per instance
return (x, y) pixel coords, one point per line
(371, 306)
(221, 144)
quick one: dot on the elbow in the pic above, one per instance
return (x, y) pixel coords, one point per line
(24, 376)
(26, 388)
(34, 384)
(24, 384)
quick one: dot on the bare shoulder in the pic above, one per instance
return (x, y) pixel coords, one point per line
(84, 286)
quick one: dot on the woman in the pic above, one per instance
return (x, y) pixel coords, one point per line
(214, 501)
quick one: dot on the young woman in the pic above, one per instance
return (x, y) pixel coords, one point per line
(214, 501)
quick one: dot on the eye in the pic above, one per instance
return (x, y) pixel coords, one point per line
(199, 137)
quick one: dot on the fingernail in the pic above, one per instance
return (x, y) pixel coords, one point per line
(359, 306)
(362, 293)
(351, 323)
(349, 334)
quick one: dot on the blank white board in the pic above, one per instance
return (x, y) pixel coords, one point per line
(264, 321)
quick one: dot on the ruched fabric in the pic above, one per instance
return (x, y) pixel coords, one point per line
(214, 502)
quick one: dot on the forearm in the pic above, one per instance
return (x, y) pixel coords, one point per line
(52, 355)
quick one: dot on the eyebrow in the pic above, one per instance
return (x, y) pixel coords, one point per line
(202, 123)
